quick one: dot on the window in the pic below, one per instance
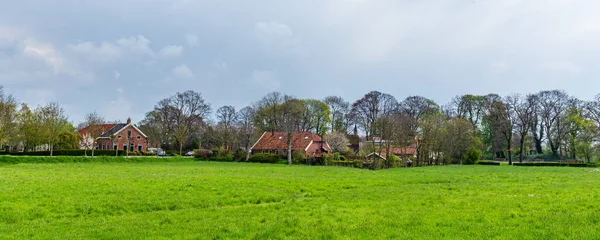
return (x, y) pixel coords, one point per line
(119, 137)
(139, 147)
(139, 137)
(129, 133)
(124, 146)
(114, 146)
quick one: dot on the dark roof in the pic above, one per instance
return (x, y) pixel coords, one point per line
(113, 130)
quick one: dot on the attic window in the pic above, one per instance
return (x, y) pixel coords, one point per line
(138, 137)
(280, 137)
(119, 136)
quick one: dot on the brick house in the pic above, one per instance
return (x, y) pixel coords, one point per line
(118, 136)
(276, 142)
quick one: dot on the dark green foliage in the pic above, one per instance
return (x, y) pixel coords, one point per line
(83, 159)
(472, 156)
(72, 153)
(350, 163)
(488, 163)
(298, 157)
(264, 158)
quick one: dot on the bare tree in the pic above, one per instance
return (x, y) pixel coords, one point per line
(470, 107)
(339, 110)
(246, 127)
(521, 109)
(552, 106)
(181, 115)
(291, 111)
(369, 109)
(95, 128)
(414, 107)
(268, 115)
(227, 117)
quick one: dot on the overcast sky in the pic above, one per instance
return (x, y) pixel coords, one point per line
(120, 57)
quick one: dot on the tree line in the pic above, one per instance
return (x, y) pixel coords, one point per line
(549, 124)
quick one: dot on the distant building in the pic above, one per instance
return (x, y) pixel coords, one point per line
(119, 136)
(276, 142)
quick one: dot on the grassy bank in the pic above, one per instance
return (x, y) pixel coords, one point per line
(209, 200)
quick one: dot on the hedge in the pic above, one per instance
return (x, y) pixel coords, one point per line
(481, 162)
(264, 158)
(79, 153)
(554, 164)
(83, 159)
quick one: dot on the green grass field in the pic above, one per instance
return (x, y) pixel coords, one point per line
(208, 200)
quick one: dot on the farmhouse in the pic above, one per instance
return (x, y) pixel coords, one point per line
(119, 136)
(276, 142)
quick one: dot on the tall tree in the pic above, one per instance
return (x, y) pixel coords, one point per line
(500, 117)
(552, 106)
(415, 107)
(246, 128)
(182, 114)
(291, 111)
(470, 107)
(227, 117)
(268, 115)
(522, 109)
(55, 121)
(339, 110)
(8, 117)
(316, 117)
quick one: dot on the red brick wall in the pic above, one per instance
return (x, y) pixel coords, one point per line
(123, 140)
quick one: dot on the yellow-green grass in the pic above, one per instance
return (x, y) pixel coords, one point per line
(208, 200)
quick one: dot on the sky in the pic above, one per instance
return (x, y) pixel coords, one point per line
(120, 57)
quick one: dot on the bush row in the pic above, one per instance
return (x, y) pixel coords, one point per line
(79, 153)
(83, 159)
(555, 164)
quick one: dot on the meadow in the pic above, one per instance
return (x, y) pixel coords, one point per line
(209, 200)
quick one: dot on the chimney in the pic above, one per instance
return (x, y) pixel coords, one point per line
(128, 120)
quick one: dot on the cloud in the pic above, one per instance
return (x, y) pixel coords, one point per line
(182, 71)
(136, 44)
(117, 75)
(120, 107)
(103, 52)
(46, 53)
(171, 51)
(499, 66)
(192, 40)
(267, 79)
(220, 65)
(279, 37)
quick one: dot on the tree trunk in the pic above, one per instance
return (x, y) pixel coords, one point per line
(93, 147)
(247, 150)
(509, 151)
(289, 153)
(180, 149)
(522, 143)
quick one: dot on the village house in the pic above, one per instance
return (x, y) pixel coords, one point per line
(276, 143)
(119, 136)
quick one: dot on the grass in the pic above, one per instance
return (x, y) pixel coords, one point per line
(208, 200)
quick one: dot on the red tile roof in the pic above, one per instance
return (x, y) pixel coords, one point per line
(278, 141)
(106, 128)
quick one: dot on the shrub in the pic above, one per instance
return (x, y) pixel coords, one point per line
(203, 154)
(264, 158)
(472, 156)
(298, 157)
